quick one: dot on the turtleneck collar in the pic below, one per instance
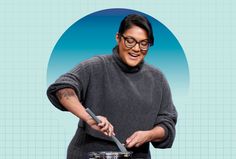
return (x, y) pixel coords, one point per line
(124, 66)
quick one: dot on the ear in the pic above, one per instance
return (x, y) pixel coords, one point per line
(117, 38)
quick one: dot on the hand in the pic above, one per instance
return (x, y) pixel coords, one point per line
(137, 139)
(104, 126)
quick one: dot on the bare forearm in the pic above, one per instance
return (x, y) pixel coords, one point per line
(70, 101)
(156, 134)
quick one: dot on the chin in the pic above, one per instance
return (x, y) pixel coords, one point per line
(132, 64)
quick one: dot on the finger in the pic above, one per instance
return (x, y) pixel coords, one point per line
(137, 144)
(132, 143)
(111, 130)
(131, 138)
(105, 133)
(102, 123)
(106, 127)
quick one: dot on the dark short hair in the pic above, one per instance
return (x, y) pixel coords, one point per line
(137, 20)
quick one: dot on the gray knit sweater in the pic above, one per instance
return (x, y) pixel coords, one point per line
(132, 98)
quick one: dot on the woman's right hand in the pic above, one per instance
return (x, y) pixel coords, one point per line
(104, 126)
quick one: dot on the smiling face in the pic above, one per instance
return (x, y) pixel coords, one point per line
(132, 56)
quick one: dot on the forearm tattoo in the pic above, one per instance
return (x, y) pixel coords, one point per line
(65, 93)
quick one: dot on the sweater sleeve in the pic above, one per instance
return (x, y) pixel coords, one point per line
(77, 79)
(166, 117)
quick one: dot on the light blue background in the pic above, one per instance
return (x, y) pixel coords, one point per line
(30, 128)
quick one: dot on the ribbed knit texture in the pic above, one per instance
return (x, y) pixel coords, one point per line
(132, 98)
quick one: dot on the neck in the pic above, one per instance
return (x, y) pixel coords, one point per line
(123, 65)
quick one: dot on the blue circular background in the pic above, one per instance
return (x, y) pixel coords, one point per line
(95, 35)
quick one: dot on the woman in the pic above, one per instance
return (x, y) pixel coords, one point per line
(132, 99)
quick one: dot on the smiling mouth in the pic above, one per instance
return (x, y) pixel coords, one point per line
(133, 55)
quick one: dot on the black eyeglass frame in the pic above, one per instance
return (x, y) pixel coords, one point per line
(136, 42)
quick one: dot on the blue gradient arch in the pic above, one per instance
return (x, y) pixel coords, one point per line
(95, 33)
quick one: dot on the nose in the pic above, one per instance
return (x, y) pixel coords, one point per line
(136, 47)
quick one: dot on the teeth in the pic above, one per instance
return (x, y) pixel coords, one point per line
(134, 55)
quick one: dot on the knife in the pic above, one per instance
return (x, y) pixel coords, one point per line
(120, 146)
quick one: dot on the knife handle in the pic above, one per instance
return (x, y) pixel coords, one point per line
(93, 115)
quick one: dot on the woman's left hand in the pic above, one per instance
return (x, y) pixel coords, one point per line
(137, 139)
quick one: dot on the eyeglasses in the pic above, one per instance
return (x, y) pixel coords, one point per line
(130, 42)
